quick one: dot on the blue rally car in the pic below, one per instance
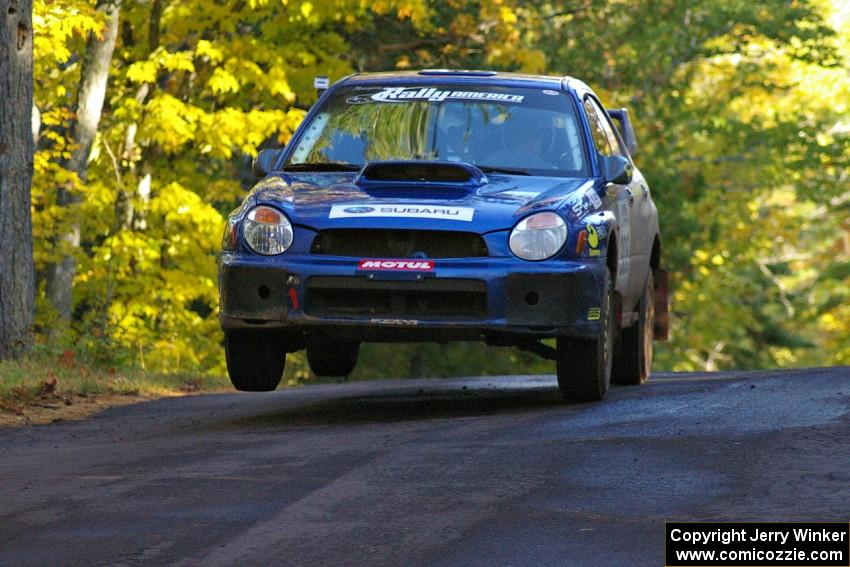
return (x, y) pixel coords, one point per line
(448, 205)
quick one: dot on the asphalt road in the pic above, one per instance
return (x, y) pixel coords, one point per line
(485, 471)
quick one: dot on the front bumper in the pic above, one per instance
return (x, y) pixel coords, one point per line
(458, 299)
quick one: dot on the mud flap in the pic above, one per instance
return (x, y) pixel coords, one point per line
(661, 328)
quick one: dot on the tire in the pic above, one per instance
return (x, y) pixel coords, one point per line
(634, 363)
(332, 359)
(584, 365)
(255, 359)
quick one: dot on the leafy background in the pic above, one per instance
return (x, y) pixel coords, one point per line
(740, 107)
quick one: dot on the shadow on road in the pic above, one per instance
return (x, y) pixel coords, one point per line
(407, 406)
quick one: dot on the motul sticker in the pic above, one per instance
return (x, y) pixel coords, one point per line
(397, 265)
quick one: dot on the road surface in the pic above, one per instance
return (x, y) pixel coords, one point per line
(484, 471)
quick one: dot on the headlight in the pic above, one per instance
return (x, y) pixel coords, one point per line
(538, 236)
(267, 231)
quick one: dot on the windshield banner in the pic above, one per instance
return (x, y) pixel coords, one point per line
(404, 94)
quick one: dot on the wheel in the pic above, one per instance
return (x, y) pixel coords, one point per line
(332, 359)
(255, 359)
(634, 363)
(584, 365)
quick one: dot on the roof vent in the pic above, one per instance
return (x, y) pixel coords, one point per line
(458, 72)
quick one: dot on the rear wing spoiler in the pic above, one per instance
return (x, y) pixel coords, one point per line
(624, 125)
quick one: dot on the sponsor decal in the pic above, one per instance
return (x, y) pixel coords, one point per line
(550, 92)
(592, 236)
(593, 197)
(602, 231)
(395, 322)
(625, 241)
(397, 265)
(580, 208)
(581, 204)
(359, 99)
(405, 94)
(592, 240)
(407, 211)
(594, 313)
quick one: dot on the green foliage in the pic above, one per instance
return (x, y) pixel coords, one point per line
(741, 111)
(51, 379)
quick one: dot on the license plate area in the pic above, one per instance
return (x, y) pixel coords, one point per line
(427, 299)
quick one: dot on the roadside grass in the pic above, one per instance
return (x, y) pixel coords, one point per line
(47, 381)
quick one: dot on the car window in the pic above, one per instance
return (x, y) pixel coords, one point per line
(610, 132)
(600, 138)
(530, 129)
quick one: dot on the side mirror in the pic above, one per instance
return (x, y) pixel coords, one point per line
(264, 162)
(623, 122)
(617, 170)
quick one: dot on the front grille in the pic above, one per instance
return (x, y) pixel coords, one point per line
(421, 300)
(374, 243)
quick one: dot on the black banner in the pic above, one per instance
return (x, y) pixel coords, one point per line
(757, 544)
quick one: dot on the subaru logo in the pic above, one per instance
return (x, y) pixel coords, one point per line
(359, 99)
(359, 210)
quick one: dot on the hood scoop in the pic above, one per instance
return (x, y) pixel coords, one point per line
(398, 174)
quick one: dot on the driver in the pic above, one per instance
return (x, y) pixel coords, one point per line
(526, 140)
(452, 134)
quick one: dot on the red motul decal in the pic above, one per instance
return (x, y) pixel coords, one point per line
(397, 265)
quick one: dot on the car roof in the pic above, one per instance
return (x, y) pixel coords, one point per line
(461, 76)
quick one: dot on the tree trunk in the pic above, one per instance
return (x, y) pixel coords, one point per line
(153, 25)
(17, 273)
(137, 218)
(90, 97)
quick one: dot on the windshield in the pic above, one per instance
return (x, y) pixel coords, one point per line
(515, 130)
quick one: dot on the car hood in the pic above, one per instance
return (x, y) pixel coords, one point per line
(334, 200)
